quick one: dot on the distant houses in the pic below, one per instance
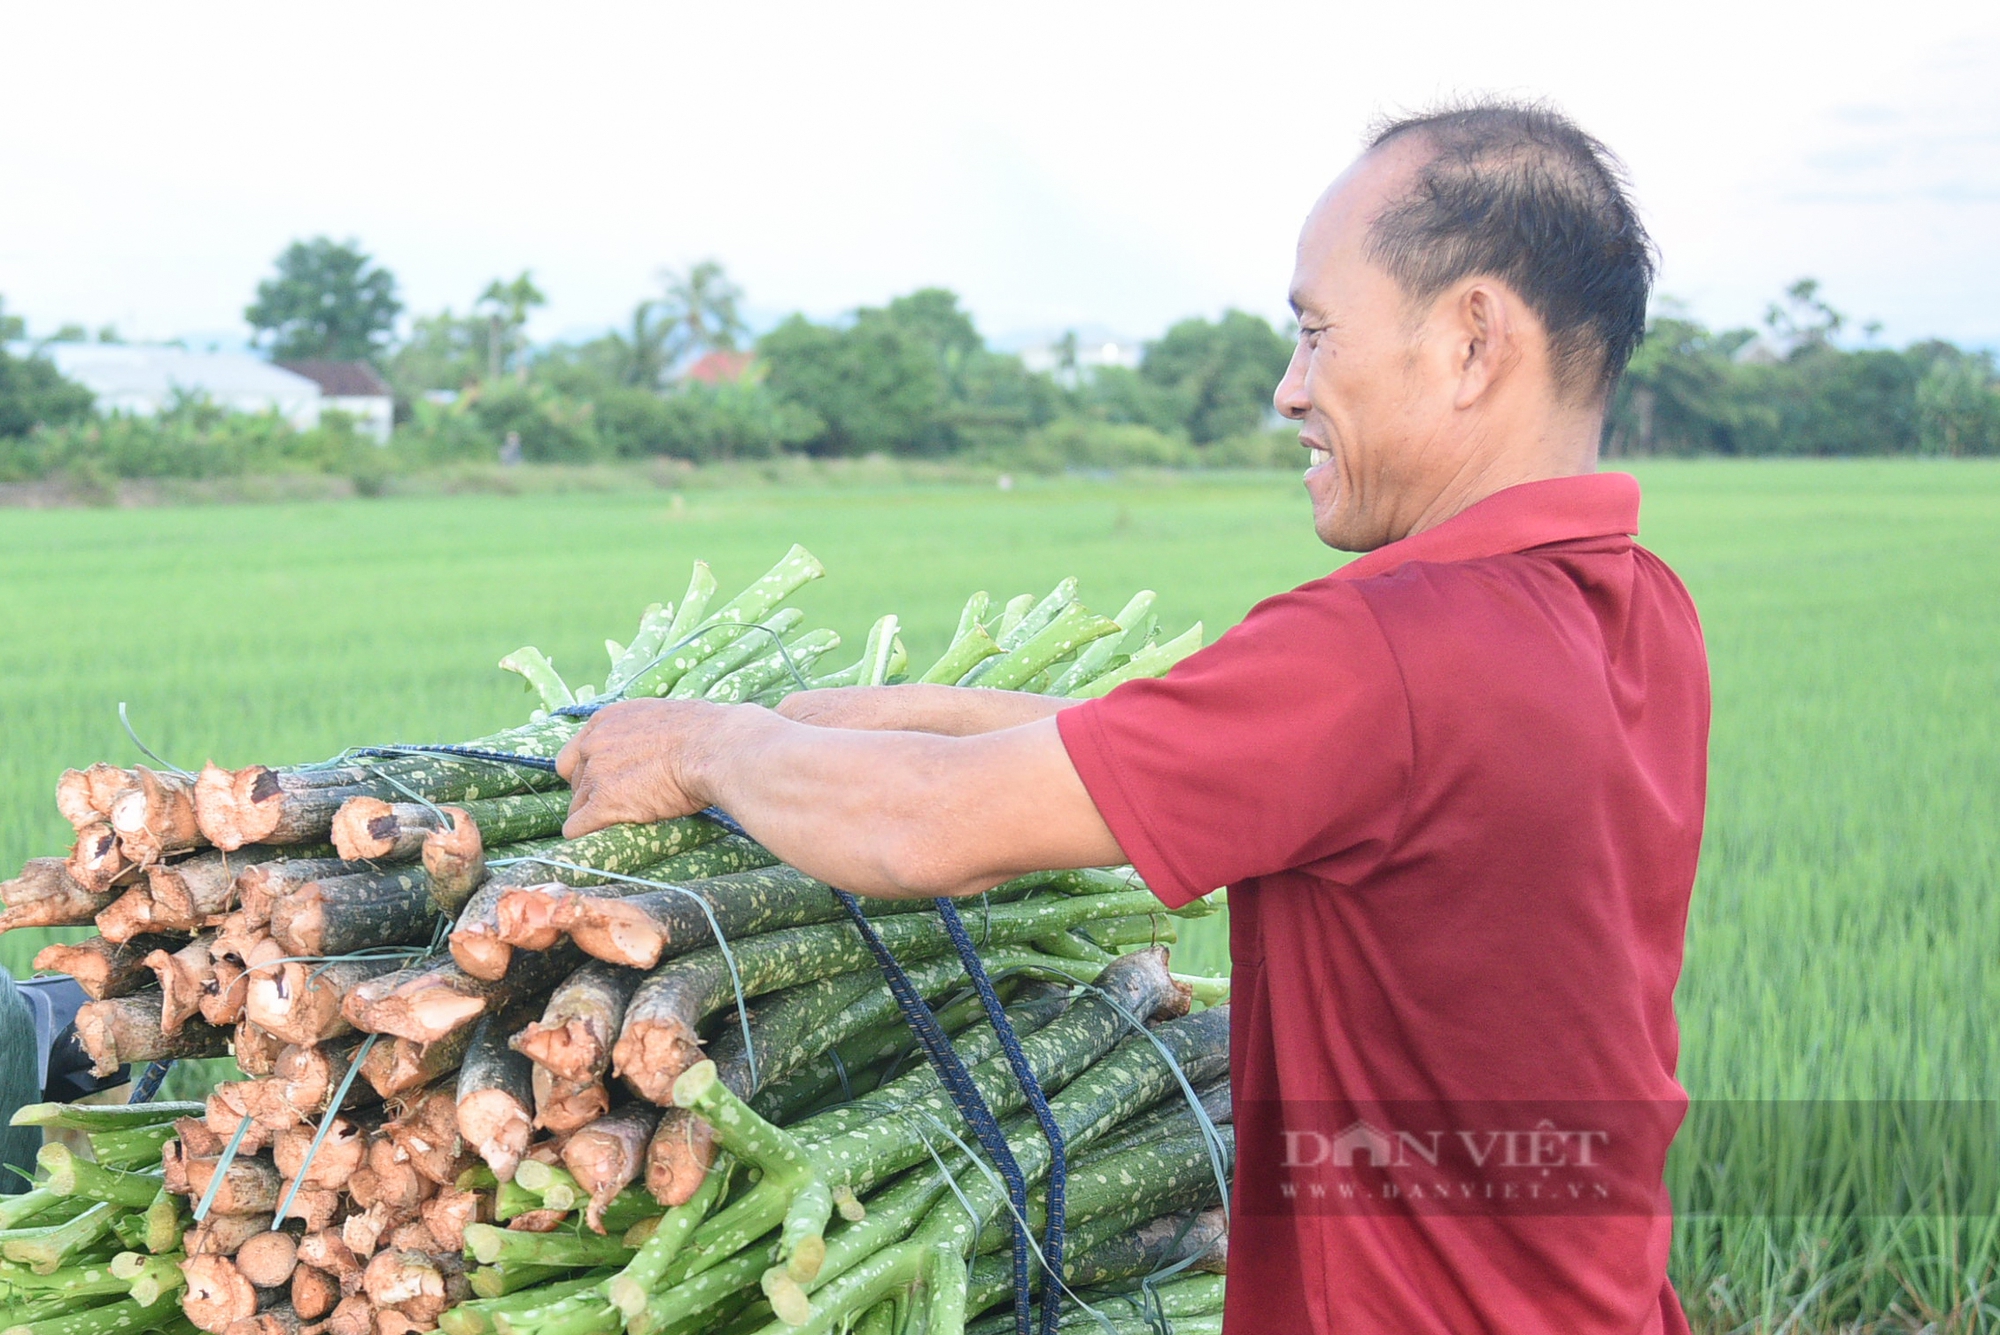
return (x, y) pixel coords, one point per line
(1078, 353)
(354, 388)
(718, 368)
(144, 381)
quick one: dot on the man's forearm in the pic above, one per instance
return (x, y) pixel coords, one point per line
(899, 813)
(951, 711)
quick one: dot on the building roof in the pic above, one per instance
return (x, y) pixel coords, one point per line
(718, 368)
(342, 380)
(124, 376)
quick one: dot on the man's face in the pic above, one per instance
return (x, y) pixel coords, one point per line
(1371, 394)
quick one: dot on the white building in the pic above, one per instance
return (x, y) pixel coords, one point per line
(147, 380)
(1084, 349)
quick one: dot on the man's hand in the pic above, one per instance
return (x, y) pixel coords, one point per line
(624, 767)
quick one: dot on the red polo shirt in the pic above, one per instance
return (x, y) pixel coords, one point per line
(1455, 789)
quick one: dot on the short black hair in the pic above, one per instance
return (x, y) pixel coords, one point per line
(1516, 191)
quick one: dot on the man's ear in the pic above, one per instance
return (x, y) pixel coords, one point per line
(1485, 339)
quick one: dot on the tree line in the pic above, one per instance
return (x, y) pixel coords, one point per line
(684, 377)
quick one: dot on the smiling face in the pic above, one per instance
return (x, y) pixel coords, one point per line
(1372, 390)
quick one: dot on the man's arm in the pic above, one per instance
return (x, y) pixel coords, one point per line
(889, 813)
(952, 711)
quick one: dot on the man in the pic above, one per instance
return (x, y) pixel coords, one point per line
(1455, 787)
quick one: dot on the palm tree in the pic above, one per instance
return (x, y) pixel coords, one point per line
(701, 305)
(650, 349)
(507, 306)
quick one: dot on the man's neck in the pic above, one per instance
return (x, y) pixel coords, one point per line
(1504, 457)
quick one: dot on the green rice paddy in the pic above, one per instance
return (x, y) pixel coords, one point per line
(1845, 926)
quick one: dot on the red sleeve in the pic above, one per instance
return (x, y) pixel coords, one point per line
(1283, 745)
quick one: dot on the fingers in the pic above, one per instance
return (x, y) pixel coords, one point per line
(571, 755)
(619, 767)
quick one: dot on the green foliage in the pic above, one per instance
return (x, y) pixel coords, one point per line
(700, 309)
(444, 352)
(507, 306)
(1958, 410)
(875, 385)
(1076, 443)
(571, 417)
(193, 439)
(553, 427)
(1690, 390)
(34, 394)
(702, 423)
(1218, 376)
(912, 377)
(327, 300)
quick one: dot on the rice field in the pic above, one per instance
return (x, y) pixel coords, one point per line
(1847, 918)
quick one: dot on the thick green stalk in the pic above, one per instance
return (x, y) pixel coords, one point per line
(662, 1021)
(510, 1199)
(1150, 662)
(626, 850)
(45, 1249)
(775, 667)
(1141, 929)
(554, 1185)
(68, 1284)
(683, 1299)
(629, 660)
(74, 1176)
(150, 1277)
(856, 1154)
(138, 1147)
(103, 1116)
(792, 1027)
(1012, 614)
(865, 1054)
(498, 1281)
(749, 645)
(1130, 1078)
(522, 816)
(972, 647)
(631, 1287)
(166, 1222)
(566, 1246)
(1172, 1117)
(534, 667)
(976, 1044)
(694, 604)
(16, 1211)
(1136, 621)
(580, 1314)
(1038, 617)
(975, 613)
(1075, 626)
(784, 1163)
(794, 571)
(476, 1316)
(111, 1319)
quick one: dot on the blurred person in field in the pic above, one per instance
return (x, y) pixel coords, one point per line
(1455, 787)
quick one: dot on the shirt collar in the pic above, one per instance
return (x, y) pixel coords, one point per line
(1532, 514)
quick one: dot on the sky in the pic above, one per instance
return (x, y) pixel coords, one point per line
(1111, 166)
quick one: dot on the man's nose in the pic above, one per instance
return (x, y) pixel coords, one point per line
(1290, 397)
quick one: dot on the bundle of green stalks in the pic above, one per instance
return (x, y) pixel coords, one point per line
(647, 1080)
